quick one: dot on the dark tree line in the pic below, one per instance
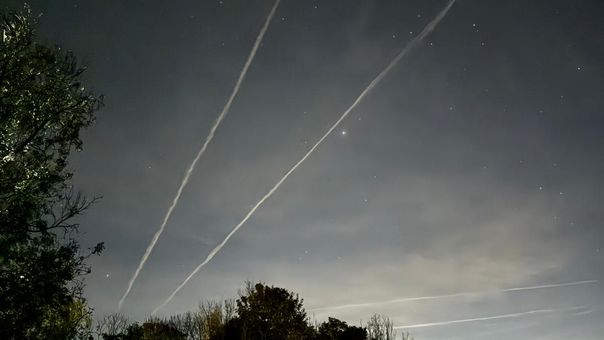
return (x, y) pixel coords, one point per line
(260, 313)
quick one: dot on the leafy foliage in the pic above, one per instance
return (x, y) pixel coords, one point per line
(334, 329)
(272, 313)
(43, 107)
(261, 312)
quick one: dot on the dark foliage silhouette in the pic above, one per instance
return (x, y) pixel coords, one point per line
(272, 313)
(261, 312)
(43, 107)
(334, 329)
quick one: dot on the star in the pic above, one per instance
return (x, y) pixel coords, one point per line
(344, 132)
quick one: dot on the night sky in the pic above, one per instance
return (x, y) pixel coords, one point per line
(476, 165)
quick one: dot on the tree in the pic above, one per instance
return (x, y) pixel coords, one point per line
(261, 313)
(334, 329)
(154, 329)
(354, 333)
(380, 327)
(208, 322)
(112, 326)
(272, 313)
(43, 107)
(157, 329)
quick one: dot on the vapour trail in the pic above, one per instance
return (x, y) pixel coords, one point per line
(494, 317)
(454, 295)
(201, 151)
(429, 28)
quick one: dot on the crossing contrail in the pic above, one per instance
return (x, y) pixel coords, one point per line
(494, 317)
(454, 295)
(429, 28)
(201, 151)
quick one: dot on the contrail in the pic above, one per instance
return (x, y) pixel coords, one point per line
(185, 179)
(494, 317)
(429, 28)
(454, 295)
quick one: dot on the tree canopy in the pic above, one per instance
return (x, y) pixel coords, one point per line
(334, 329)
(43, 107)
(272, 313)
(260, 312)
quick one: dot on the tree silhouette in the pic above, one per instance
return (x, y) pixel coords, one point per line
(43, 107)
(261, 312)
(334, 329)
(112, 326)
(380, 327)
(272, 313)
(157, 329)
